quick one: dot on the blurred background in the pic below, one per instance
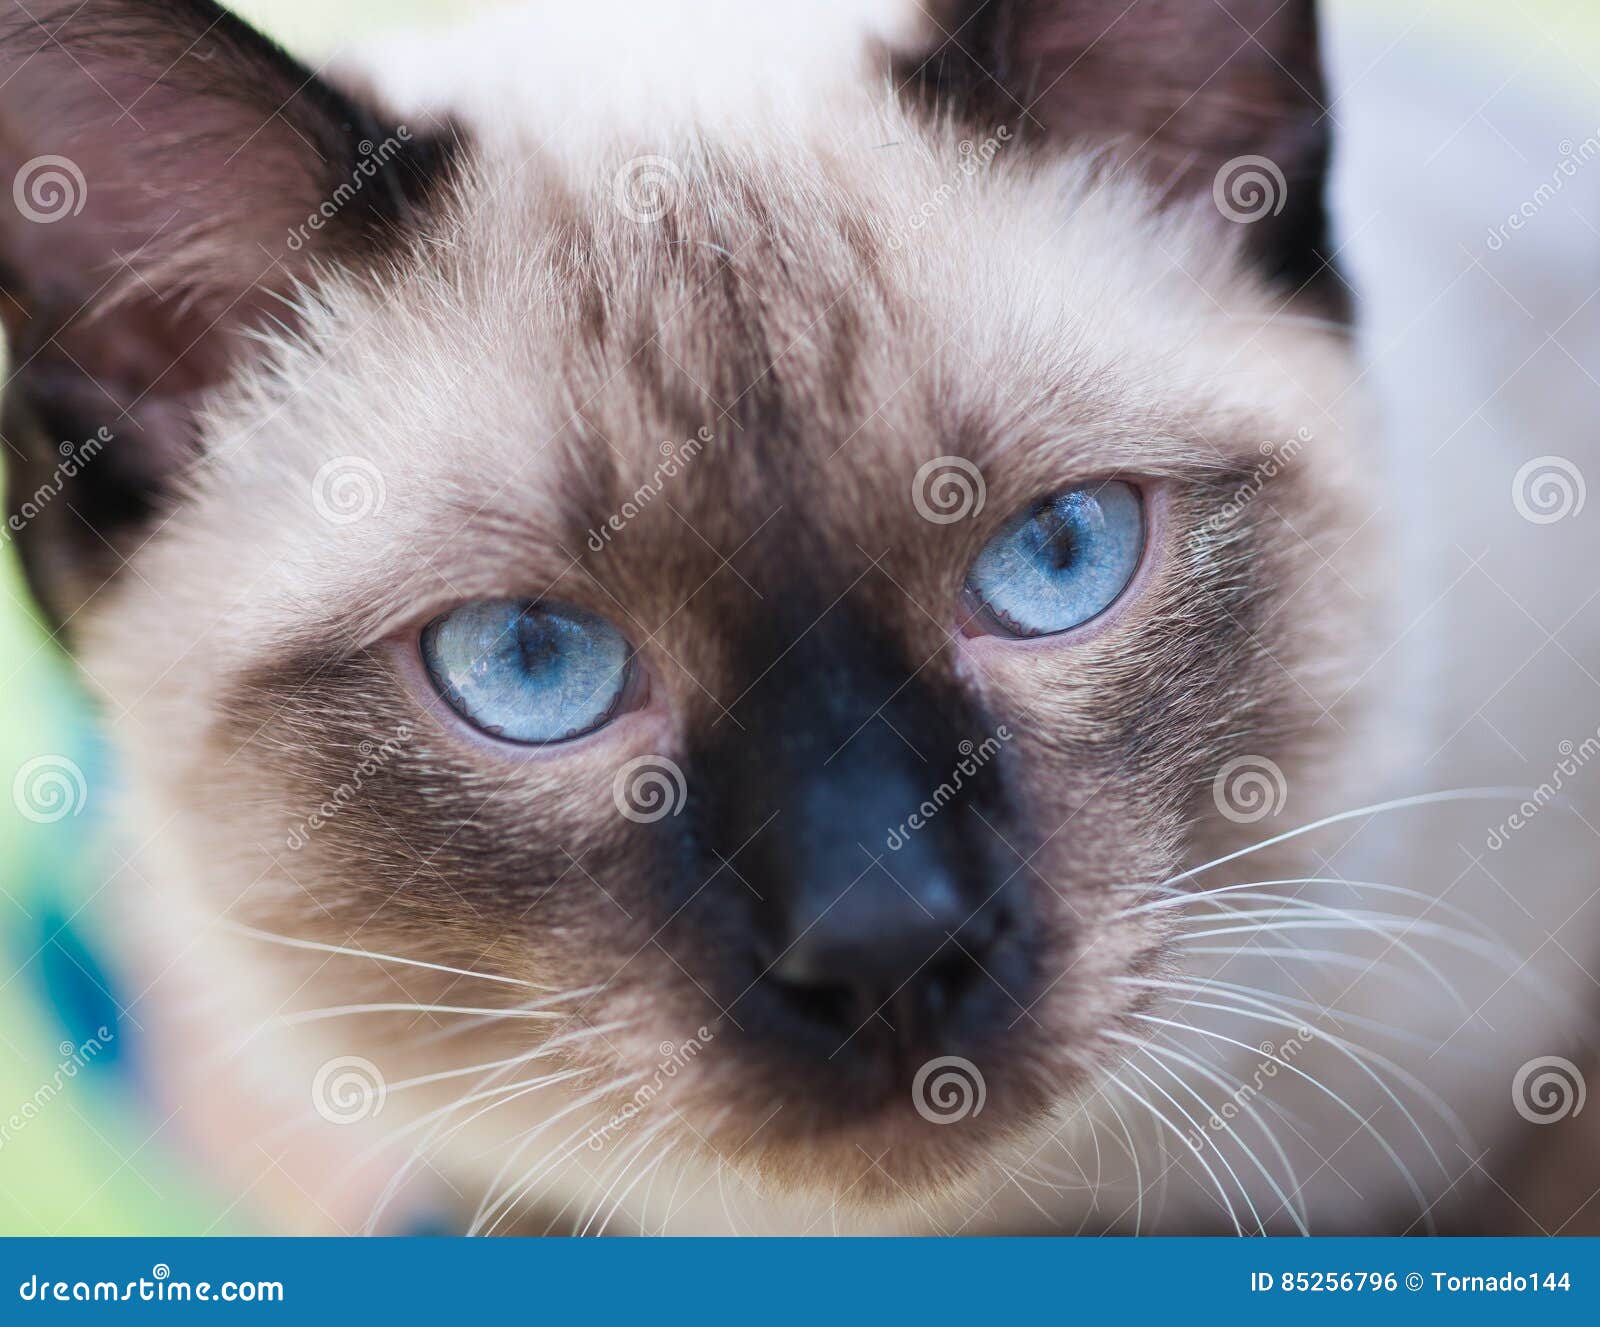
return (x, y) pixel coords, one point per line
(88, 1145)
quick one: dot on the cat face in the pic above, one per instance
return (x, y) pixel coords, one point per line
(768, 598)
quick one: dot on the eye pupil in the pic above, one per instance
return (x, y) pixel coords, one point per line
(1058, 546)
(538, 644)
(1062, 562)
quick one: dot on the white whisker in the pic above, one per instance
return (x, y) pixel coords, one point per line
(1317, 920)
(644, 1207)
(1199, 1132)
(508, 1198)
(647, 1136)
(351, 952)
(511, 1092)
(506, 1093)
(473, 1024)
(1288, 1002)
(403, 1007)
(1364, 1122)
(1377, 808)
(1133, 1156)
(1180, 898)
(1222, 1193)
(1358, 1055)
(1330, 957)
(1152, 1050)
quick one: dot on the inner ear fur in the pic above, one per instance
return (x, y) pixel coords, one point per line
(1188, 92)
(172, 173)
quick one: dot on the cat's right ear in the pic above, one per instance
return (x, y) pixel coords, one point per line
(165, 173)
(1218, 98)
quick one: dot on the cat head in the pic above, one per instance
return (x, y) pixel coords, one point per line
(774, 587)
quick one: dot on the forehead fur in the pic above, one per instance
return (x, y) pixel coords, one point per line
(832, 311)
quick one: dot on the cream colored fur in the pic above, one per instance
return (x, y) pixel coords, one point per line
(444, 377)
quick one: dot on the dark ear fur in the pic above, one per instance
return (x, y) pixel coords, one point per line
(166, 164)
(1176, 88)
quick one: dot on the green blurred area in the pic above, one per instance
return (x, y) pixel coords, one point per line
(89, 1164)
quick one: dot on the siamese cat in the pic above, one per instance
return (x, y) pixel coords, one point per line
(724, 617)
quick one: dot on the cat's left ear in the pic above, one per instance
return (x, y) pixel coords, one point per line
(167, 177)
(1221, 98)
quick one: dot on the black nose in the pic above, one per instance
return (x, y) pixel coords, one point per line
(864, 805)
(878, 931)
(868, 916)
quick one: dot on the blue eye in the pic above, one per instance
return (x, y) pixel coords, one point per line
(1062, 561)
(527, 672)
